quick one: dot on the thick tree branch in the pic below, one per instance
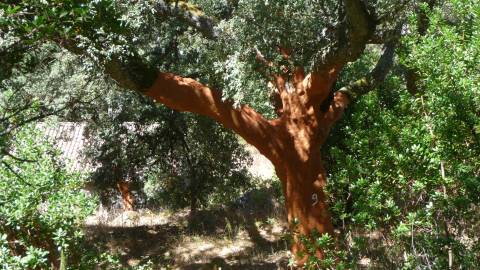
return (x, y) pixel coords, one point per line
(185, 94)
(366, 84)
(360, 22)
(277, 84)
(356, 25)
(318, 84)
(358, 88)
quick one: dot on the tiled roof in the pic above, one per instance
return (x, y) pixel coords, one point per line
(68, 138)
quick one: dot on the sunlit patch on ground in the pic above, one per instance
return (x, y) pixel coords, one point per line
(217, 238)
(197, 249)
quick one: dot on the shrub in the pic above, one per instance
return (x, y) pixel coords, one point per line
(42, 207)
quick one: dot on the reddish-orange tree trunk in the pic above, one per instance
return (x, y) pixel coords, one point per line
(127, 196)
(307, 210)
(305, 105)
(292, 142)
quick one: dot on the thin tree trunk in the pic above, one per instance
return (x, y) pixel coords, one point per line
(127, 197)
(193, 203)
(63, 260)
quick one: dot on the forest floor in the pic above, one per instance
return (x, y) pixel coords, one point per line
(251, 235)
(222, 238)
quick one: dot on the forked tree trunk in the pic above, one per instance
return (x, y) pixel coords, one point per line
(305, 107)
(292, 142)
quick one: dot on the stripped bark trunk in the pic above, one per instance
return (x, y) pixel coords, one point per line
(292, 142)
(307, 209)
(306, 105)
(307, 111)
(127, 196)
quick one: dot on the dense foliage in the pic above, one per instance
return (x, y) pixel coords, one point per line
(42, 207)
(407, 166)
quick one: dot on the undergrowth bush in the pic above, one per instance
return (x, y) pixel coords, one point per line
(42, 208)
(405, 174)
(333, 258)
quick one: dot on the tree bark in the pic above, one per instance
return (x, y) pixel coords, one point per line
(292, 142)
(307, 209)
(307, 106)
(127, 197)
(185, 94)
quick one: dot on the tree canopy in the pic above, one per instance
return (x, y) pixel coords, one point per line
(381, 97)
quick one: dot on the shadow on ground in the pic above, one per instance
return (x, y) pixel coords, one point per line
(220, 263)
(236, 237)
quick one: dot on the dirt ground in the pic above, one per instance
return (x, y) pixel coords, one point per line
(221, 238)
(250, 236)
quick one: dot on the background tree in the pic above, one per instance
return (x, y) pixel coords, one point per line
(180, 160)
